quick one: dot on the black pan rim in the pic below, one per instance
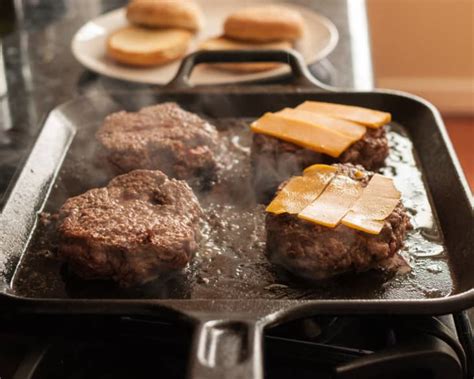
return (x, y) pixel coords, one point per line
(448, 304)
(433, 306)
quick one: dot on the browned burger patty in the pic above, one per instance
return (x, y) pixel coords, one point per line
(141, 224)
(274, 160)
(161, 137)
(317, 252)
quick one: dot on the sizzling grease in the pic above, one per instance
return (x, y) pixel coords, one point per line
(230, 262)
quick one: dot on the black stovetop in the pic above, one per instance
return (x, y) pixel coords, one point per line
(323, 347)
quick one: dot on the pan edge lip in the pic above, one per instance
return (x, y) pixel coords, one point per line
(441, 305)
(438, 303)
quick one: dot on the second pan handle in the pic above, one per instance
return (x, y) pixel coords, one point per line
(300, 73)
(227, 350)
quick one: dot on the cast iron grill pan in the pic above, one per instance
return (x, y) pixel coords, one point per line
(230, 289)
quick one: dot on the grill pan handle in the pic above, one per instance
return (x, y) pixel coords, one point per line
(300, 73)
(227, 350)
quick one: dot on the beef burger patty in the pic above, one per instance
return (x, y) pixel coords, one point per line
(140, 224)
(161, 137)
(317, 252)
(274, 160)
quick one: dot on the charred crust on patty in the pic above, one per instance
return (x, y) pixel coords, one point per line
(162, 137)
(317, 252)
(274, 160)
(142, 223)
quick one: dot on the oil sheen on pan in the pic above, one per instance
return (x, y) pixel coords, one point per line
(230, 263)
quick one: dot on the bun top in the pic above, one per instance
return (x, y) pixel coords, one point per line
(264, 24)
(165, 13)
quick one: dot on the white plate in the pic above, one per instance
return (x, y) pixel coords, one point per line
(88, 45)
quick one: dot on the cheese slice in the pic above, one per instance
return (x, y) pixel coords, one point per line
(348, 128)
(333, 204)
(301, 191)
(364, 116)
(319, 169)
(377, 202)
(302, 133)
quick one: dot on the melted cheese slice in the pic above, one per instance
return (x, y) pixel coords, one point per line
(364, 116)
(348, 128)
(301, 190)
(377, 202)
(319, 169)
(303, 133)
(333, 204)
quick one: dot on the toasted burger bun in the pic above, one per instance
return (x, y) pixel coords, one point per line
(147, 47)
(264, 24)
(223, 43)
(184, 14)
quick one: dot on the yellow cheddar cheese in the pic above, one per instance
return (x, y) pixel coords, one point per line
(359, 222)
(365, 116)
(301, 191)
(319, 169)
(303, 133)
(333, 204)
(377, 201)
(348, 128)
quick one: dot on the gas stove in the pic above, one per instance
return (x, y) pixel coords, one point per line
(323, 347)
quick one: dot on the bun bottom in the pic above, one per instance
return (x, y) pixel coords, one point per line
(135, 46)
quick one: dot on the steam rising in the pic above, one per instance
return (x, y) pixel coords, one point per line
(230, 262)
